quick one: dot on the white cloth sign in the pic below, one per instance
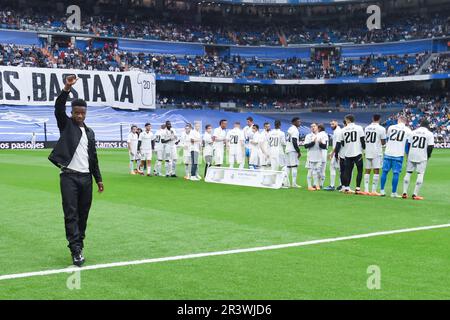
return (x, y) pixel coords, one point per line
(246, 177)
(41, 86)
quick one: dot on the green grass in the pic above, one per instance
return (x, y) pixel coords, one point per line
(140, 217)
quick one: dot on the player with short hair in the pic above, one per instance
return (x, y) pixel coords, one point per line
(169, 140)
(255, 151)
(419, 150)
(248, 133)
(293, 151)
(397, 137)
(235, 141)
(208, 147)
(322, 137)
(219, 138)
(352, 142)
(159, 149)
(375, 136)
(196, 141)
(145, 146)
(264, 158)
(185, 142)
(335, 163)
(132, 142)
(314, 157)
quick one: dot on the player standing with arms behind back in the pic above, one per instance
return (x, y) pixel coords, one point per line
(334, 163)
(145, 146)
(375, 136)
(293, 151)
(277, 141)
(419, 150)
(397, 135)
(353, 143)
(235, 140)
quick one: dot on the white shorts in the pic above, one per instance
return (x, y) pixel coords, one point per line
(134, 157)
(160, 154)
(235, 158)
(264, 160)
(419, 167)
(323, 166)
(334, 163)
(218, 157)
(146, 155)
(292, 159)
(187, 158)
(375, 163)
(277, 162)
(313, 165)
(254, 158)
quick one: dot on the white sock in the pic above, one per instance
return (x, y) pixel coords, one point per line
(167, 167)
(294, 176)
(186, 170)
(419, 183)
(149, 169)
(366, 182)
(174, 166)
(131, 165)
(308, 178)
(158, 167)
(375, 179)
(332, 176)
(316, 177)
(406, 181)
(286, 178)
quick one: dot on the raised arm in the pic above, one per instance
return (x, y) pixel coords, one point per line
(60, 103)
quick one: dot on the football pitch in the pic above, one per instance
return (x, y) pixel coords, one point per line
(141, 217)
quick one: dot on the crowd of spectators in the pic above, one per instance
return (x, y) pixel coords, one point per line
(407, 28)
(439, 64)
(109, 58)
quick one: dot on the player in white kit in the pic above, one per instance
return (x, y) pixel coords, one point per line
(314, 157)
(277, 142)
(132, 142)
(255, 148)
(185, 143)
(207, 147)
(375, 136)
(322, 137)
(264, 147)
(159, 150)
(248, 133)
(334, 163)
(169, 140)
(145, 146)
(235, 141)
(195, 146)
(293, 151)
(420, 148)
(219, 137)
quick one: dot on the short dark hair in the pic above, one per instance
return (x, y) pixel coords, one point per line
(321, 127)
(256, 126)
(222, 121)
(350, 117)
(266, 123)
(425, 123)
(148, 124)
(376, 117)
(250, 119)
(207, 126)
(78, 103)
(295, 119)
(277, 124)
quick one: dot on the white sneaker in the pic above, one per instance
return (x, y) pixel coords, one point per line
(199, 177)
(382, 193)
(194, 179)
(395, 195)
(296, 186)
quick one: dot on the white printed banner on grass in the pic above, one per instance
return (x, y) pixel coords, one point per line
(246, 177)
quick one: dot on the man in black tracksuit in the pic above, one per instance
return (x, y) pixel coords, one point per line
(75, 154)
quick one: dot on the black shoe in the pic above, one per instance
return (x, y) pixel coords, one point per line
(339, 188)
(78, 259)
(174, 176)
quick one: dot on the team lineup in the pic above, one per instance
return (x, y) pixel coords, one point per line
(374, 151)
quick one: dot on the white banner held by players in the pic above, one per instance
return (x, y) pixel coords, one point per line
(41, 86)
(246, 177)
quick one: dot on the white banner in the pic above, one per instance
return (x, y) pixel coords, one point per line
(246, 177)
(41, 86)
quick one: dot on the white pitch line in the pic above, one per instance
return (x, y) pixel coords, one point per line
(217, 253)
